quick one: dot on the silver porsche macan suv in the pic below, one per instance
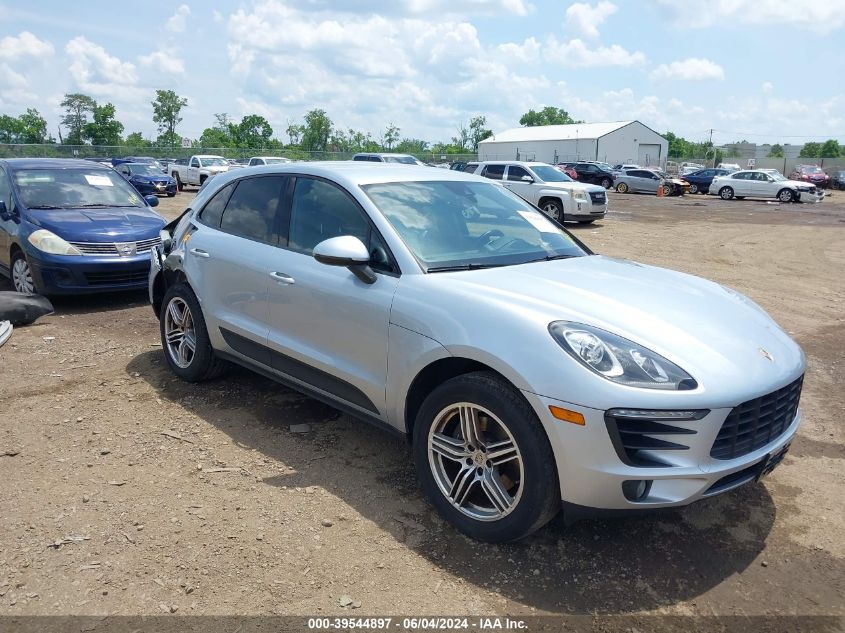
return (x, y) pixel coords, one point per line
(528, 373)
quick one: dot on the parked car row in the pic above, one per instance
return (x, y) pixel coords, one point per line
(756, 183)
(650, 181)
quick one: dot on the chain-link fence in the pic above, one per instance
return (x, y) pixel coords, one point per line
(120, 151)
(784, 165)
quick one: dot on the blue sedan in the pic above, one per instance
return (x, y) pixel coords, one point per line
(699, 181)
(146, 179)
(73, 226)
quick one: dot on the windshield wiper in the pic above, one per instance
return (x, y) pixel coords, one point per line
(549, 258)
(96, 205)
(470, 266)
(44, 206)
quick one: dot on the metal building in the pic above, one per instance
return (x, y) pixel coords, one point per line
(614, 142)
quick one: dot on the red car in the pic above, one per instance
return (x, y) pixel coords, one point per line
(810, 173)
(568, 170)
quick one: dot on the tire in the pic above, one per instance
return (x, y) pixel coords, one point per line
(607, 183)
(194, 365)
(170, 195)
(726, 193)
(553, 209)
(178, 180)
(622, 187)
(202, 180)
(21, 274)
(502, 502)
(667, 190)
(693, 188)
(786, 195)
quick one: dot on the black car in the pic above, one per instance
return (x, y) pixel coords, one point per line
(837, 179)
(592, 173)
(699, 181)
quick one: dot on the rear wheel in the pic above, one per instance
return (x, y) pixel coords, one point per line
(484, 459)
(606, 183)
(786, 195)
(622, 187)
(693, 188)
(184, 336)
(22, 279)
(553, 209)
(726, 193)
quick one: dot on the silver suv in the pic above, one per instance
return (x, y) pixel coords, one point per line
(548, 188)
(524, 370)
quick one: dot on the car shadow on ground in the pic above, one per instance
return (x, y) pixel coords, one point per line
(595, 566)
(92, 303)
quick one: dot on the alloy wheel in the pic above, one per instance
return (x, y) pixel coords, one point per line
(475, 461)
(179, 332)
(22, 276)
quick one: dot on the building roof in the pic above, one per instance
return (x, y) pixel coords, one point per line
(557, 132)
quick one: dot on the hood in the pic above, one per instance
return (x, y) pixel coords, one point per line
(217, 169)
(574, 186)
(796, 183)
(99, 225)
(143, 178)
(714, 333)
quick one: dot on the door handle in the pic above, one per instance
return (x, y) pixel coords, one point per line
(283, 278)
(199, 252)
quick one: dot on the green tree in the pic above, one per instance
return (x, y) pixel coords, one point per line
(253, 132)
(390, 136)
(830, 149)
(810, 150)
(10, 129)
(33, 127)
(412, 146)
(166, 113)
(169, 139)
(549, 115)
(317, 129)
(220, 135)
(137, 140)
(104, 129)
(77, 106)
(477, 131)
(295, 132)
(776, 151)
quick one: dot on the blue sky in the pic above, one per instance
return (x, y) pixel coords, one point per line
(762, 70)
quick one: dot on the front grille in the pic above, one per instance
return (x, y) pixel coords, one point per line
(598, 197)
(109, 249)
(118, 277)
(636, 438)
(755, 423)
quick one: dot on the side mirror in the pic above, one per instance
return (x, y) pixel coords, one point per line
(347, 251)
(151, 200)
(527, 178)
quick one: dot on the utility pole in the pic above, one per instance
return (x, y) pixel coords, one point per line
(711, 147)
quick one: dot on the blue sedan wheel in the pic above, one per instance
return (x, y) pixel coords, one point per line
(22, 274)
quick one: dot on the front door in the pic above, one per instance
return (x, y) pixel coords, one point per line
(328, 329)
(7, 227)
(525, 189)
(194, 171)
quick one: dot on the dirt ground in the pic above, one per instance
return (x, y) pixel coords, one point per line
(126, 491)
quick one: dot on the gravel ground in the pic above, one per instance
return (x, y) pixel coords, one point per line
(130, 492)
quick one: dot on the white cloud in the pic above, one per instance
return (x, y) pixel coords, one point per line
(97, 73)
(767, 87)
(576, 54)
(163, 62)
(690, 69)
(823, 17)
(585, 19)
(177, 22)
(24, 45)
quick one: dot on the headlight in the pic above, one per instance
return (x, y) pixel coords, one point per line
(581, 196)
(51, 243)
(619, 359)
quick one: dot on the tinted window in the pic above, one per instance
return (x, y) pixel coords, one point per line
(494, 172)
(251, 211)
(707, 173)
(320, 210)
(640, 173)
(213, 211)
(470, 168)
(5, 190)
(587, 168)
(741, 175)
(516, 173)
(195, 162)
(360, 158)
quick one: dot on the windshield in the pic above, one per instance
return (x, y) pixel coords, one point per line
(74, 189)
(213, 162)
(405, 160)
(777, 177)
(550, 174)
(460, 225)
(274, 161)
(811, 170)
(145, 170)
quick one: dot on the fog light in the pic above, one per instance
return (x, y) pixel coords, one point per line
(636, 489)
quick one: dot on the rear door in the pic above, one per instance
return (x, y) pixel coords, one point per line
(742, 183)
(229, 255)
(328, 329)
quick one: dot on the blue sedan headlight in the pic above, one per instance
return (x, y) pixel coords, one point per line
(619, 359)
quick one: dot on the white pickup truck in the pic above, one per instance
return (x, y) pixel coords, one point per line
(194, 171)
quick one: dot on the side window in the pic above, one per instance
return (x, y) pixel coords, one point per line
(516, 172)
(320, 210)
(639, 173)
(707, 173)
(493, 172)
(195, 162)
(5, 190)
(253, 161)
(470, 168)
(251, 211)
(124, 170)
(212, 213)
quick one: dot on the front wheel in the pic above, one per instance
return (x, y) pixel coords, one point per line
(726, 193)
(178, 180)
(693, 188)
(184, 336)
(553, 209)
(484, 459)
(786, 195)
(667, 190)
(606, 183)
(622, 187)
(22, 279)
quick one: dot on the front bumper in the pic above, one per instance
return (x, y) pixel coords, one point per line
(587, 210)
(591, 472)
(806, 196)
(85, 274)
(159, 189)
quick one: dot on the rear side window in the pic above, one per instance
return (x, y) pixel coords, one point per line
(251, 211)
(470, 168)
(212, 213)
(494, 172)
